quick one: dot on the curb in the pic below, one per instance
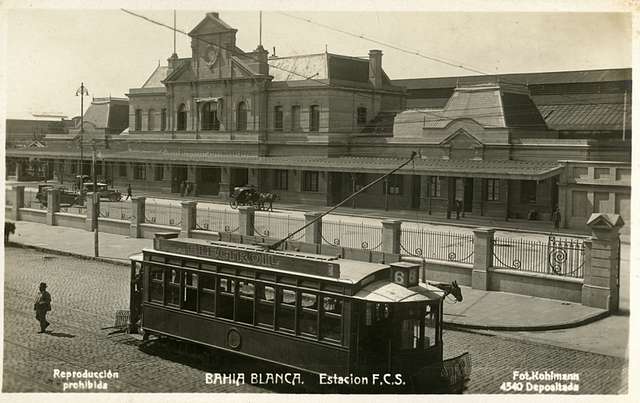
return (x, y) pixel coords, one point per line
(530, 328)
(119, 262)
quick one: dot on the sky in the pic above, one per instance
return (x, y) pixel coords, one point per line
(49, 52)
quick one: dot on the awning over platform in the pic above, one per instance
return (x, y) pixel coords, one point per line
(499, 169)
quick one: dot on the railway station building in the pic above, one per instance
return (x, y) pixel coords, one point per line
(315, 128)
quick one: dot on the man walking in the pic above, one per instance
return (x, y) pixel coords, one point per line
(42, 306)
(129, 196)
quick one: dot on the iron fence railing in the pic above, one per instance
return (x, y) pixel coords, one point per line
(162, 214)
(559, 256)
(217, 220)
(352, 235)
(449, 246)
(274, 225)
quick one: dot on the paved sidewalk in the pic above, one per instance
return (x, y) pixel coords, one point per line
(479, 309)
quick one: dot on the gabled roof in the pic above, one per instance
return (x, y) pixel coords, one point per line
(184, 66)
(156, 78)
(211, 24)
(322, 66)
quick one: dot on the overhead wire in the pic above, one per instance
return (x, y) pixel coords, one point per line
(435, 112)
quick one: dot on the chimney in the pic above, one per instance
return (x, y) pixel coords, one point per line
(260, 62)
(375, 68)
(173, 62)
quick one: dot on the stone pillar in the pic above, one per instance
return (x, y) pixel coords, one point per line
(17, 202)
(313, 233)
(225, 180)
(89, 224)
(482, 257)
(53, 205)
(563, 200)
(19, 171)
(189, 211)
(137, 216)
(246, 220)
(391, 236)
(600, 288)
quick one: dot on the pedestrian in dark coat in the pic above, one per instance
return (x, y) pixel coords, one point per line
(556, 217)
(42, 306)
(129, 195)
(183, 187)
(458, 209)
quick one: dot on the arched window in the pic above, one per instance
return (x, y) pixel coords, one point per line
(151, 120)
(182, 117)
(241, 118)
(210, 116)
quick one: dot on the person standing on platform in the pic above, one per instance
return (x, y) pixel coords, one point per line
(42, 306)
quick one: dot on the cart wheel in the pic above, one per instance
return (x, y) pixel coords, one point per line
(233, 204)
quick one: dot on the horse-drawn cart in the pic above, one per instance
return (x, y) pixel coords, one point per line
(249, 196)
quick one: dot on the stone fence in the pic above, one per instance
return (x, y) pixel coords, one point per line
(598, 287)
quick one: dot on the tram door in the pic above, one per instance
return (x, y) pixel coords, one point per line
(376, 333)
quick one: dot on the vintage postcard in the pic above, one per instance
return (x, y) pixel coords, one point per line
(263, 202)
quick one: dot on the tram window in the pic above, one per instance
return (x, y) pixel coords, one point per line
(409, 334)
(210, 267)
(266, 276)
(430, 338)
(309, 313)
(228, 270)
(156, 258)
(174, 262)
(247, 273)
(287, 310)
(246, 292)
(331, 321)
(288, 280)
(173, 287)
(190, 263)
(207, 293)
(190, 297)
(264, 313)
(226, 298)
(156, 288)
(310, 284)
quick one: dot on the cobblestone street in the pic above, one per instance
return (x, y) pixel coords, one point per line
(86, 295)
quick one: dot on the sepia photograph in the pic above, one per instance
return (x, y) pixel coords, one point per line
(286, 199)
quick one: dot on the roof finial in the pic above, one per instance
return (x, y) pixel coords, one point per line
(326, 48)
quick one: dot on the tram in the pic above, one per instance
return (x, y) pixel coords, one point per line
(319, 314)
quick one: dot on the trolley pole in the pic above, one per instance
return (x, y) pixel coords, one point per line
(95, 200)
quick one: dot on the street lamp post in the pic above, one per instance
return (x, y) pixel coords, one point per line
(82, 91)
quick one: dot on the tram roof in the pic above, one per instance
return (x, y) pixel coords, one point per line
(349, 271)
(386, 291)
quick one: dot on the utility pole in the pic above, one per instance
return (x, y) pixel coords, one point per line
(95, 200)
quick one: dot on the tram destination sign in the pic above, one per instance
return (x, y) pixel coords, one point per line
(250, 257)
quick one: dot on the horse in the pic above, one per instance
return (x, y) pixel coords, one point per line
(267, 198)
(449, 288)
(9, 228)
